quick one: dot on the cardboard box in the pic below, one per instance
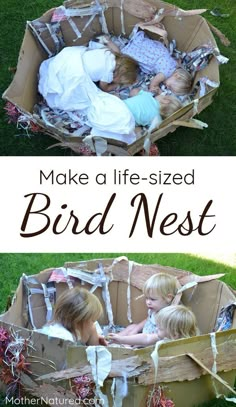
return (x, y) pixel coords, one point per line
(189, 31)
(190, 371)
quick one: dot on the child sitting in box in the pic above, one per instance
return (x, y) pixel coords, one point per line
(173, 322)
(75, 315)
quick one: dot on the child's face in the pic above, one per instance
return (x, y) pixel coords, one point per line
(155, 303)
(171, 81)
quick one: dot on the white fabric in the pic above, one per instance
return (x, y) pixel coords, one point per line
(109, 113)
(62, 80)
(100, 359)
(99, 64)
(65, 83)
(231, 400)
(57, 330)
(119, 390)
(155, 356)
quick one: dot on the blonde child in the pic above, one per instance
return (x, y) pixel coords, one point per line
(145, 107)
(64, 78)
(159, 291)
(174, 322)
(154, 58)
(75, 313)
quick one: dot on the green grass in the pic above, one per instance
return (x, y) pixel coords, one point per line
(13, 265)
(217, 140)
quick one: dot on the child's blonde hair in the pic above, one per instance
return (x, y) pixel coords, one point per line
(126, 70)
(178, 321)
(183, 83)
(161, 285)
(169, 105)
(76, 305)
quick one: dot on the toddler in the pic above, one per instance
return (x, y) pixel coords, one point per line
(63, 78)
(154, 58)
(75, 313)
(159, 290)
(145, 107)
(174, 322)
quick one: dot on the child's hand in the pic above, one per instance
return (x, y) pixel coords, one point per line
(114, 338)
(154, 88)
(102, 341)
(155, 82)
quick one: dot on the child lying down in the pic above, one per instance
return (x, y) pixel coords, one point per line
(154, 58)
(146, 108)
(66, 82)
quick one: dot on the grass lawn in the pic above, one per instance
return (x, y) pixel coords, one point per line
(13, 265)
(217, 140)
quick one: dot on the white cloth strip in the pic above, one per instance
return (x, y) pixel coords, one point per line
(91, 278)
(75, 29)
(68, 280)
(119, 390)
(187, 286)
(214, 366)
(100, 360)
(122, 21)
(155, 358)
(129, 317)
(106, 296)
(195, 106)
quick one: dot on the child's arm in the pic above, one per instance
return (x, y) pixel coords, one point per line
(88, 333)
(139, 339)
(102, 341)
(107, 87)
(112, 46)
(155, 82)
(105, 40)
(133, 329)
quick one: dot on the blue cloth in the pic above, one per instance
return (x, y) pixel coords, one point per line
(144, 108)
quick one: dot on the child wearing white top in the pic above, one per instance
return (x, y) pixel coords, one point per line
(75, 315)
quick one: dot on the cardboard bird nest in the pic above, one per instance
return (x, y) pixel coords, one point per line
(79, 23)
(190, 371)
